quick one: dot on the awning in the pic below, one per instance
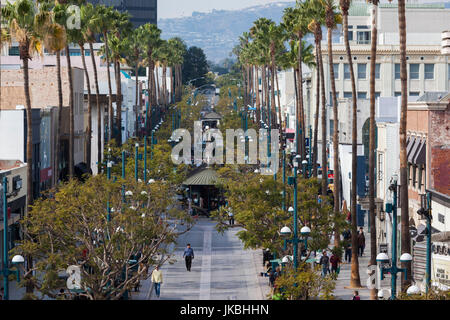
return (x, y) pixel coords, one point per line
(413, 149)
(420, 156)
(409, 145)
(207, 177)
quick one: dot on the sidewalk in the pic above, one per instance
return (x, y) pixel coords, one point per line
(342, 292)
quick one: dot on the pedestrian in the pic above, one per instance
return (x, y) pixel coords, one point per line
(272, 279)
(335, 262)
(2, 293)
(356, 296)
(348, 253)
(361, 242)
(157, 279)
(231, 217)
(188, 255)
(325, 263)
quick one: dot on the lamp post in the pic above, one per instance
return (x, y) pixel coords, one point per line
(286, 232)
(16, 259)
(136, 161)
(425, 212)
(383, 257)
(108, 174)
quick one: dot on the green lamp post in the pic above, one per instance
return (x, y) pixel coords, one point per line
(382, 258)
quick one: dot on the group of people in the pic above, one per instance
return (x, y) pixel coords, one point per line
(325, 262)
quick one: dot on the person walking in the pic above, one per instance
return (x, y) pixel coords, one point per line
(325, 263)
(361, 242)
(2, 293)
(356, 296)
(348, 253)
(231, 217)
(157, 279)
(335, 262)
(188, 255)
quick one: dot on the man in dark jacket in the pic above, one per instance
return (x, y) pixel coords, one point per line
(188, 255)
(361, 242)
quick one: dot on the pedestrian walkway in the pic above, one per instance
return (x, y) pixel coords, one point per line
(342, 292)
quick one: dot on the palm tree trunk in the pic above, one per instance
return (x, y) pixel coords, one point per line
(29, 135)
(337, 204)
(281, 118)
(373, 58)
(58, 128)
(263, 92)
(405, 235)
(258, 101)
(324, 123)
(71, 115)
(150, 88)
(159, 98)
(89, 124)
(99, 110)
(164, 85)
(316, 118)
(355, 281)
(118, 103)
(110, 108)
(300, 115)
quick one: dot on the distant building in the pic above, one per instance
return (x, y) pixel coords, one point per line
(141, 11)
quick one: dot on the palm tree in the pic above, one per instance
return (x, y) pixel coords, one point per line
(150, 38)
(405, 235)
(355, 281)
(55, 41)
(121, 28)
(86, 15)
(133, 59)
(90, 29)
(331, 21)
(104, 25)
(295, 21)
(317, 13)
(22, 26)
(373, 58)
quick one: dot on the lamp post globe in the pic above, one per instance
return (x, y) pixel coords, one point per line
(291, 209)
(285, 259)
(382, 257)
(413, 290)
(17, 259)
(129, 193)
(304, 162)
(285, 231)
(305, 231)
(406, 257)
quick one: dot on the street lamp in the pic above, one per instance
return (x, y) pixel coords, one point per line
(382, 258)
(304, 164)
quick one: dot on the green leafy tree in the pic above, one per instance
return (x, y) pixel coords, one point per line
(71, 228)
(195, 66)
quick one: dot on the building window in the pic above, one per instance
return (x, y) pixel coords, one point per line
(377, 71)
(397, 71)
(429, 71)
(13, 51)
(350, 33)
(380, 168)
(336, 70)
(414, 94)
(448, 71)
(397, 94)
(362, 69)
(346, 71)
(362, 95)
(362, 37)
(331, 97)
(377, 95)
(441, 218)
(87, 53)
(414, 71)
(348, 95)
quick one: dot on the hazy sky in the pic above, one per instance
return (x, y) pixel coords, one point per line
(180, 8)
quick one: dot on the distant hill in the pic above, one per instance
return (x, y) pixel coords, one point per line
(218, 32)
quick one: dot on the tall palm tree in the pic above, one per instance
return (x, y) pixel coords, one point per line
(55, 41)
(22, 25)
(150, 40)
(134, 59)
(332, 19)
(104, 25)
(373, 58)
(295, 21)
(355, 280)
(86, 15)
(405, 235)
(90, 30)
(317, 14)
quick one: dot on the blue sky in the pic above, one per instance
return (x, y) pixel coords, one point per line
(181, 8)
